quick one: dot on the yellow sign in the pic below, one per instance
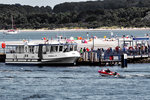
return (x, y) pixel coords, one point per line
(104, 36)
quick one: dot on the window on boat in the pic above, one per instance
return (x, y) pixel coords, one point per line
(65, 48)
(60, 48)
(54, 48)
(36, 48)
(75, 47)
(71, 47)
(11, 49)
(26, 49)
(46, 49)
(31, 49)
(19, 49)
(68, 48)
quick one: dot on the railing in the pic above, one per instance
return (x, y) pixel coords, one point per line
(97, 55)
(109, 55)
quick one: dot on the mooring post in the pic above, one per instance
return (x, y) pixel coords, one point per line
(124, 60)
(91, 56)
(84, 56)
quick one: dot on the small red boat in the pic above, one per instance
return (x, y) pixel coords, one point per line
(108, 73)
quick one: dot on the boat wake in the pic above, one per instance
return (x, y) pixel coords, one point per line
(135, 76)
(131, 76)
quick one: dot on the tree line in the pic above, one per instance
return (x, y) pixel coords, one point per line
(90, 14)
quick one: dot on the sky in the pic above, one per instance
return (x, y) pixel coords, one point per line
(51, 3)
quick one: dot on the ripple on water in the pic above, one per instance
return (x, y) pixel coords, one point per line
(35, 96)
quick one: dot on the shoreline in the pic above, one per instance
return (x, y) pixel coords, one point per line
(100, 29)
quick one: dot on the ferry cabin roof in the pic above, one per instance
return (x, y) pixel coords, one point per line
(40, 44)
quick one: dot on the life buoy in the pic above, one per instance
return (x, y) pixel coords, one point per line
(3, 45)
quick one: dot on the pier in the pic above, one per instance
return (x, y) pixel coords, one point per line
(101, 52)
(2, 57)
(113, 57)
(105, 58)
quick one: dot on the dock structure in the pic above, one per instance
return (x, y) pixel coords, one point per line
(2, 57)
(100, 52)
(111, 58)
(95, 58)
(103, 58)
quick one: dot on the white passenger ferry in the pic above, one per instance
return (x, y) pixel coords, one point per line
(46, 53)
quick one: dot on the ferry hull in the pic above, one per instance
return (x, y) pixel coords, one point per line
(56, 61)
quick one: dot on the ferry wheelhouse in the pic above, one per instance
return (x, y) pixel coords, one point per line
(59, 53)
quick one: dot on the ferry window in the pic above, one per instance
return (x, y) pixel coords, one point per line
(31, 49)
(19, 49)
(48, 49)
(75, 48)
(71, 48)
(65, 48)
(60, 48)
(54, 48)
(36, 49)
(25, 49)
(11, 49)
(68, 48)
(44, 49)
(22, 49)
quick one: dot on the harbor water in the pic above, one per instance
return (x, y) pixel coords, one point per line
(33, 35)
(73, 82)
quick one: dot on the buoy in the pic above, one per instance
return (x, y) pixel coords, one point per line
(3, 45)
(44, 38)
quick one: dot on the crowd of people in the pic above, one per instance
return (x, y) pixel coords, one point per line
(117, 51)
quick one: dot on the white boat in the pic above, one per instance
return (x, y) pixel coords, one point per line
(12, 30)
(42, 54)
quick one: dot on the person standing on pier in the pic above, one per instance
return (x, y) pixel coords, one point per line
(84, 50)
(87, 49)
(81, 51)
(98, 53)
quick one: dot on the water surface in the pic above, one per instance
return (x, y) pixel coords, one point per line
(73, 83)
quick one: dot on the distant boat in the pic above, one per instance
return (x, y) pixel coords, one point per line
(12, 30)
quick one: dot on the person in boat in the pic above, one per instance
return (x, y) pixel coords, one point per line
(115, 73)
(107, 70)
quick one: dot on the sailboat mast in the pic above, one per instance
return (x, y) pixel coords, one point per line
(12, 22)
